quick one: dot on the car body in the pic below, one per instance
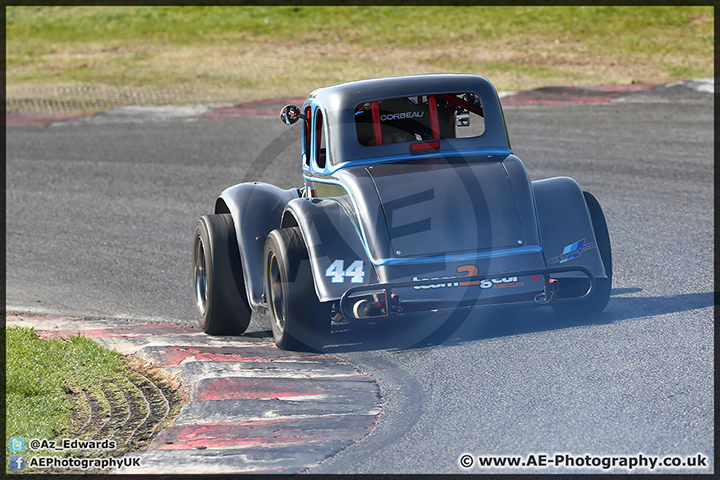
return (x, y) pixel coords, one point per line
(412, 203)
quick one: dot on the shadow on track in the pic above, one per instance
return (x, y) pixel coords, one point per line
(501, 322)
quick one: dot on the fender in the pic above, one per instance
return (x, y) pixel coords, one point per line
(335, 248)
(522, 188)
(565, 225)
(256, 209)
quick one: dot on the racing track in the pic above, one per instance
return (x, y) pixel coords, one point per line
(100, 215)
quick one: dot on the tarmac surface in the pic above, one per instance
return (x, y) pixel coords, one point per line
(99, 216)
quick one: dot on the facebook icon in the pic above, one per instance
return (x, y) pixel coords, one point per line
(17, 462)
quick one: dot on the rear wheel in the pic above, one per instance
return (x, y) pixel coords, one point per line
(299, 320)
(220, 300)
(574, 287)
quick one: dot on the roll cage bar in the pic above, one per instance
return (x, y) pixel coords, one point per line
(434, 117)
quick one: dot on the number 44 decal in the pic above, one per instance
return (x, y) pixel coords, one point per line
(337, 271)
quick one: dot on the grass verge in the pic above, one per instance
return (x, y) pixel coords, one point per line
(93, 58)
(74, 389)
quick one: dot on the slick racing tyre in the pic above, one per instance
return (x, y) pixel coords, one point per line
(220, 300)
(299, 320)
(574, 287)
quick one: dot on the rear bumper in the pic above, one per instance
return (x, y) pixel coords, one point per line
(386, 295)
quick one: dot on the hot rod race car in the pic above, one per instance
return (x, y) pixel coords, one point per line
(412, 203)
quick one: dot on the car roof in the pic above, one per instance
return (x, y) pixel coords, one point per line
(377, 88)
(338, 104)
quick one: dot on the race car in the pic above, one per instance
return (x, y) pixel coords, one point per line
(412, 203)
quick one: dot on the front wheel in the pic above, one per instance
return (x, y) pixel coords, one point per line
(299, 320)
(572, 287)
(220, 300)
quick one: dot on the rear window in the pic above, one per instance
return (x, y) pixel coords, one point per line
(418, 118)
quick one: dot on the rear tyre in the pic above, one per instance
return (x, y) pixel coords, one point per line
(221, 303)
(299, 320)
(574, 287)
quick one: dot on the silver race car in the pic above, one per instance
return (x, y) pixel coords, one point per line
(412, 203)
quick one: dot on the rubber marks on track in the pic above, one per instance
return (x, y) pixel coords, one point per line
(540, 96)
(19, 119)
(253, 407)
(260, 107)
(559, 95)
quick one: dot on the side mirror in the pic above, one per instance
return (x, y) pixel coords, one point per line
(290, 114)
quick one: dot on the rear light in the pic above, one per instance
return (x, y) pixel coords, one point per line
(424, 146)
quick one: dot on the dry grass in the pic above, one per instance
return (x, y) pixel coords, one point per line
(77, 75)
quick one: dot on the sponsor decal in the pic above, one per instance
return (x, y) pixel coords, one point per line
(573, 250)
(505, 285)
(396, 116)
(471, 270)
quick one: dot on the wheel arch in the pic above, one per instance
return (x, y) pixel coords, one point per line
(288, 219)
(221, 207)
(256, 209)
(563, 220)
(330, 234)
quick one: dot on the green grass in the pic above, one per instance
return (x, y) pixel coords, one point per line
(403, 26)
(245, 53)
(73, 388)
(39, 374)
